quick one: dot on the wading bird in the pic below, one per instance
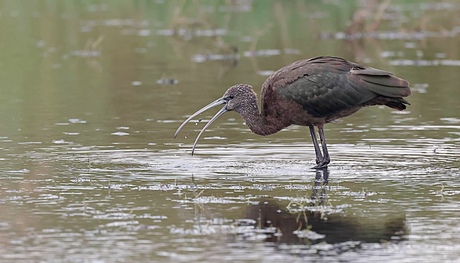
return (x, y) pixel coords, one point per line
(311, 93)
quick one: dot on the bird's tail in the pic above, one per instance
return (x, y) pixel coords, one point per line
(386, 85)
(390, 89)
(397, 103)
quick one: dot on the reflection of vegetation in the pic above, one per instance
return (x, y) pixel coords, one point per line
(316, 203)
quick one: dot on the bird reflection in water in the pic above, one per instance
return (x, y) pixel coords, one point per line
(310, 225)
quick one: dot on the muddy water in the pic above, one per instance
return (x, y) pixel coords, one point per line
(92, 94)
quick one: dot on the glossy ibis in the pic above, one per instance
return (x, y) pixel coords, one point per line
(311, 93)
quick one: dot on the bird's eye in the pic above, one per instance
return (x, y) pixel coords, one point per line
(231, 97)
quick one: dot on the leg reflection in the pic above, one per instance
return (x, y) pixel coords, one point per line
(321, 181)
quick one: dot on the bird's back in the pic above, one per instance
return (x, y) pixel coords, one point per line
(331, 87)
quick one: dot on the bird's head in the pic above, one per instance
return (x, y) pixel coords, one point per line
(239, 97)
(236, 98)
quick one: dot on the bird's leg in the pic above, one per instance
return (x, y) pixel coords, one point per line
(325, 161)
(319, 156)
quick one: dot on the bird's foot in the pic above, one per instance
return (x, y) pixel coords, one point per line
(321, 164)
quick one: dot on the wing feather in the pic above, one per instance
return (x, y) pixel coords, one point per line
(325, 86)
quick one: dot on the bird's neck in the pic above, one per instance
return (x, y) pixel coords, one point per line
(260, 124)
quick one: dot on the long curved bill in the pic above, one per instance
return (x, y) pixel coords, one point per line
(205, 108)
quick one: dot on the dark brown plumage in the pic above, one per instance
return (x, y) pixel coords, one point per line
(311, 93)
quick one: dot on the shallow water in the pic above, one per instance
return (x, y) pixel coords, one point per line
(92, 95)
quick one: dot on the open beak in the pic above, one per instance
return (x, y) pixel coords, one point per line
(205, 108)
